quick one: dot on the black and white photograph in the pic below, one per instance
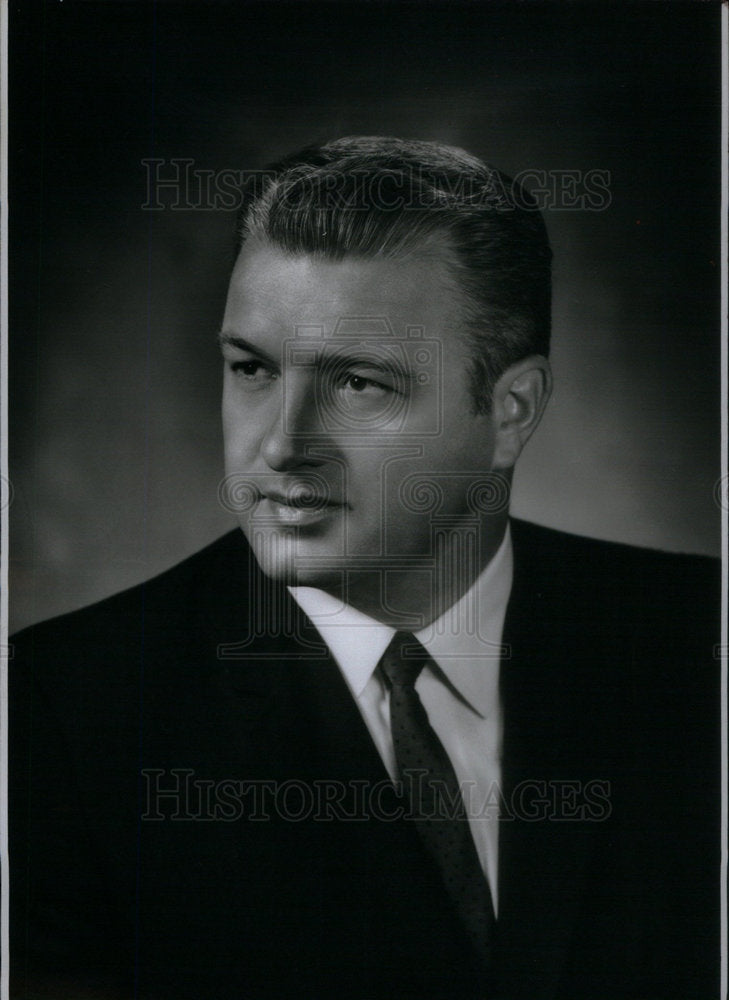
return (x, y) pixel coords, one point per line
(364, 501)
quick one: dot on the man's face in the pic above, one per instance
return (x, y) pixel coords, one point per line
(347, 417)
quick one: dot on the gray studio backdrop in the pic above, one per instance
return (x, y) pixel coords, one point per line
(115, 431)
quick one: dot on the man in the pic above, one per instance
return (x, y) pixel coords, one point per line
(385, 742)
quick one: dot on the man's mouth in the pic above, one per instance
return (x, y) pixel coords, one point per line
(298, 505)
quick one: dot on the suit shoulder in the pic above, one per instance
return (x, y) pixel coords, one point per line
(165, 597)
(592, 555)
(612, 581)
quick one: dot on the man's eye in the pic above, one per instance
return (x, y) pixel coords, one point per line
(251, 370)
(359, 384)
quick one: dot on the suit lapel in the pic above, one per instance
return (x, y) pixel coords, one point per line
(274, 663)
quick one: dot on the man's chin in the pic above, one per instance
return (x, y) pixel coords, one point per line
(281, 561)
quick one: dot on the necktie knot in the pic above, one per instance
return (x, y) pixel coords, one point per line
(403, 660)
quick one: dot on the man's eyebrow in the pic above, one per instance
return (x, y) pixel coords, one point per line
(241, 344)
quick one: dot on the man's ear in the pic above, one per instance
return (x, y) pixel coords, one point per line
(518, 401)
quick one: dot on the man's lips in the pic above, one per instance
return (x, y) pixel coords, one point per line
(303, 499)
(297, 509)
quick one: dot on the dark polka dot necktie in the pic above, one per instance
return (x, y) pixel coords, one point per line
(435, 799)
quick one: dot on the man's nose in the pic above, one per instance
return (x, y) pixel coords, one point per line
(295, 426)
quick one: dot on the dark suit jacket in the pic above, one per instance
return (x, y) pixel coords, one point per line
(609, 845)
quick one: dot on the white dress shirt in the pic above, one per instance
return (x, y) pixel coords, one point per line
(460, 692)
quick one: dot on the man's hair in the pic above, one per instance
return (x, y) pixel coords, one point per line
(379, 197)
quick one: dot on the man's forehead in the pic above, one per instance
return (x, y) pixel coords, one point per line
(347, 298)
(348, 328)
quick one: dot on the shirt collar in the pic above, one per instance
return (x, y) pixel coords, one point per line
(465, 641)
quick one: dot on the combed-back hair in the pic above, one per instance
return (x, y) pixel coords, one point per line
(380, 197)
